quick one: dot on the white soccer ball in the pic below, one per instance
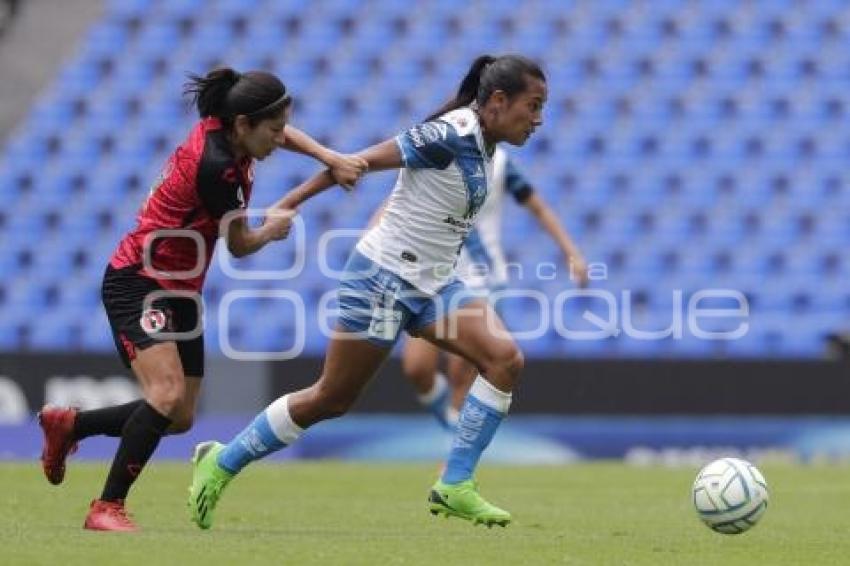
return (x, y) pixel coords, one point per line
(730, 495)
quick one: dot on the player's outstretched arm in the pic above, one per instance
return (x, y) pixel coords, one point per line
(379, 157)
(382, 156)
(345, 169)
(549, 221)
(242, 240)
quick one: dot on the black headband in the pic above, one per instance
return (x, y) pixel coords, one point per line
(282, 100)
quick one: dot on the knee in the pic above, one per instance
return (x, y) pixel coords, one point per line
(516, 362)
(168, 395)
(410, 368)
(507, 360)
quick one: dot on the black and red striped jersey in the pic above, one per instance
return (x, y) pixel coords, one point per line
(199, 184)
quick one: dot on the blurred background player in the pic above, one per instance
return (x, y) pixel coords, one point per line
(152, 285)
(483, 268)
(401, 277)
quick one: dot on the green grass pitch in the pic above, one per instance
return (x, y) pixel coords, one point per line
(339, 513)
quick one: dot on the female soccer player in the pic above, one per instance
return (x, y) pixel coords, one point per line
(401, 277)
(152, 285)
(483, 268)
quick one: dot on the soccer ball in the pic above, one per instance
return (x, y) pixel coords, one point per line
(730, 495)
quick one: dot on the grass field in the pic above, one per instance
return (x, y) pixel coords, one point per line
(334, 513)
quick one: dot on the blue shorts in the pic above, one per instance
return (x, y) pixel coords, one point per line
(377, 304)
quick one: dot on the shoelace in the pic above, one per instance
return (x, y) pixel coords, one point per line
(120, 512)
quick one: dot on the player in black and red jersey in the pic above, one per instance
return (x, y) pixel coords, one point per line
(152, 285)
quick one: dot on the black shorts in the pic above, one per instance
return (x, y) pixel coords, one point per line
(138, 323)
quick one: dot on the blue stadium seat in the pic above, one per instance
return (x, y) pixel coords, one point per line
(687, 150)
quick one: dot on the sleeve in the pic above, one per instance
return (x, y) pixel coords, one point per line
(219, 189)
(516, 184)
(432, 145)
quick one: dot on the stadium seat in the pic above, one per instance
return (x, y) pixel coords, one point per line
(686, 150)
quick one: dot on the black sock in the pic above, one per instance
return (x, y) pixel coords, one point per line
(108, 421)
(139, 439)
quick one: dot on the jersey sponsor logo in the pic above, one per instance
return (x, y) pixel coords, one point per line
(429, 132)
(457, 223)
(153, 321)
(409, 256)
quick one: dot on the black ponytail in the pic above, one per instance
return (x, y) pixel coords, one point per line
(489, 74)
(468, 89)
(209, 93)
(225, 93)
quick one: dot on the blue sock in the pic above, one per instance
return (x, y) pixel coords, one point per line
(254, 442)
(259, 438)
(479, 420)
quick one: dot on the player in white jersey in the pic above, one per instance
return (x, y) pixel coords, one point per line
(401, 277)
(483, 268)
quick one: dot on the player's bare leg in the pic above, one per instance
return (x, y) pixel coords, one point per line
(349, 365)
(160, 373)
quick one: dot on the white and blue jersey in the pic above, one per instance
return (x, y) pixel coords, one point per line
(401, 275)
(437, 196)
(482, 265)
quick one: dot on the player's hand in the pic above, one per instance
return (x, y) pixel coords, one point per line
(579, 271)
(277, 223)
(347, 170)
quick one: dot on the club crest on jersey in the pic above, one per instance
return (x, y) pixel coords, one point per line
(153, 321)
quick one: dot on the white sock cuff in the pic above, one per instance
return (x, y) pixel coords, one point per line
(281, 423)
(440, 385)
(452, 416)
(487, 393)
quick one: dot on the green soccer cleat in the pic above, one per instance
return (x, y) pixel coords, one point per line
(463, 500)
(208, 481)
